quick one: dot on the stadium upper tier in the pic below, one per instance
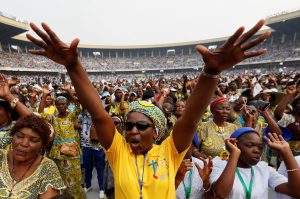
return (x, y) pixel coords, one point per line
(284, 45)
(278, 50)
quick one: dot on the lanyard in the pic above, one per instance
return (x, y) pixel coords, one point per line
(247, 190)
(139, 179)
(188, 189)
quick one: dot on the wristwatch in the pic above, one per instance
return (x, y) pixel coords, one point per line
(13, 103)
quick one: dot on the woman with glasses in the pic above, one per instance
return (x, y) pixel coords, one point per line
(141, 168)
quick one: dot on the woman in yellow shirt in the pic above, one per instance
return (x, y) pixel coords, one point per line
(142, 169)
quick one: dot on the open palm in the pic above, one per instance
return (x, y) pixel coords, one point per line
(53, 47)
(4, 89)
(234, 50)
(276, 142)
(205, 172)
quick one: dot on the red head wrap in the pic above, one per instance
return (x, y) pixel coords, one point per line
(214, 103)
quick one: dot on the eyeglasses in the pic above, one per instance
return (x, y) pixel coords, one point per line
(140, 125)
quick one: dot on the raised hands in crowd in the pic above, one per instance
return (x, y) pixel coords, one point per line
(236, 49)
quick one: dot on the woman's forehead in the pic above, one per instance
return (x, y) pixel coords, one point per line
(29, 132)
(249, 137)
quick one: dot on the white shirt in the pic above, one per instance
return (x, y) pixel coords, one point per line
(264, 177)
(197, 183)
(282, 170)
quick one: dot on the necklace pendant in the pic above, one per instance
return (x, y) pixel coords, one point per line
(220, 133)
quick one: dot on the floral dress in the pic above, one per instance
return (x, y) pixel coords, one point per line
(69, 166)
(5, 138)
(45, 175)
(212, 138)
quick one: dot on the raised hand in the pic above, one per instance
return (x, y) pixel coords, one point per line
(231, 146)
(198, 154)
(4, 89)
(53, 47)
(291, 90)
(66, 86)
(234, 50)
(186, 165)
(46, 90)
(277, 142)
(206, 171)
(13, 81)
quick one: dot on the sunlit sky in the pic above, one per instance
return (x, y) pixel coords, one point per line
(141, 22)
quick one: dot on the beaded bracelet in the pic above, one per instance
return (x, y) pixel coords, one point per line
(291, 170)
(218, 76)
(207, 190)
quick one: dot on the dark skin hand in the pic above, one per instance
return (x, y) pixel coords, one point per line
(235, 50)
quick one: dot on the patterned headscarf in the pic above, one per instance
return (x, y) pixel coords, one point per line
(61, 98)
(214, 103)
(153, 112)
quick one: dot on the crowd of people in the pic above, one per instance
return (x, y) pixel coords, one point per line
(204, 135)
(287, 50)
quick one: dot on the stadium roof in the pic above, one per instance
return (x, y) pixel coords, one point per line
(285, 23)
(10, 31)
(10, 27)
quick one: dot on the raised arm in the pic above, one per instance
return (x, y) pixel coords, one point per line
(67, 87)
(12, 100)
(46, 92)
(291, 188)
(223, 186)
(53, 48)
(274, 128)
(290, 94)
(224, 57)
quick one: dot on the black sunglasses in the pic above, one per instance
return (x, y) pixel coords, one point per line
(140, 125)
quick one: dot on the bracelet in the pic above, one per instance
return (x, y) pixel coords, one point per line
(207, 190)
(210, 75)
(291, 170)
(13, 103)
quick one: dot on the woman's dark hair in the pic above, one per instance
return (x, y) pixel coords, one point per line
(37, 124)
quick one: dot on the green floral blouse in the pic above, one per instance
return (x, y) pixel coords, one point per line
(45, 175)
(5, 138)
(212, 138)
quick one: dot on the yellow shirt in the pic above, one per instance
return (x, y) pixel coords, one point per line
(162, 163)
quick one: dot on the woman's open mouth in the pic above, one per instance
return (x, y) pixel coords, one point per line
(135, 143)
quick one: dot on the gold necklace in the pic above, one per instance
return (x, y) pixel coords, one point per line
(15, 182)
(220, 129)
